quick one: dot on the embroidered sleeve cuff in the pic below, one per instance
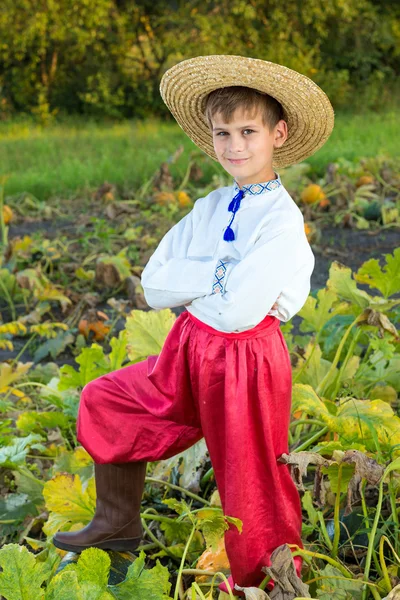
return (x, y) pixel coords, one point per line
(220, 277)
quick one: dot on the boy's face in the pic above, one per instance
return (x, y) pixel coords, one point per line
(245, 146)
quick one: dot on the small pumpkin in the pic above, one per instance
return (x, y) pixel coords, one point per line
(213, 561)
(324, 203)
(365, 180)
(7, 214)
(164, 198)
(183, 199)
(312, 194)
(99, 329)
(108, 197)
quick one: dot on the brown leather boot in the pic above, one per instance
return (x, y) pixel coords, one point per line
(116, 524)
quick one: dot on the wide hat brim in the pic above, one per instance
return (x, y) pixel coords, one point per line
(308, 111)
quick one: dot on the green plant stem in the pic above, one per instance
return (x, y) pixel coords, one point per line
(324, 531)
(156, 541)
(336, 515)
(350, 353)
(392, 496)
(306, 422)
(178, 488)
(367, 525)
(156, 517)
(328, 559)
(385, 572)
(374, 528)
(311, 440)
(207, 476)
(15, 360)
(9, 300)
(179, 578)
(320, 390)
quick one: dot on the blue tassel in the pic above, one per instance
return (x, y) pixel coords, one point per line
(228, 234)
(234, 205)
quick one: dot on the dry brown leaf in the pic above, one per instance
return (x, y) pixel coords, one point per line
(299, 461)
(365, 468)
(288, 584)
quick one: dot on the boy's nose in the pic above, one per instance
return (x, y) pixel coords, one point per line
(236, 145)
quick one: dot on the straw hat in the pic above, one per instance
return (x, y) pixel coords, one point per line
(308, 111)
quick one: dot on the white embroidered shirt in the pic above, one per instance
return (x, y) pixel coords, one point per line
(233, 285)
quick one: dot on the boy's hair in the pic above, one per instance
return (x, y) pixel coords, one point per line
(226, 100)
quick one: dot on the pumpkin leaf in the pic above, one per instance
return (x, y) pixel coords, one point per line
(67, 501)
(146, 584)
(118, 353)
(14, 455)
(317, 311)
(31, 421)
(386, 279)
(64, 586)
(213, 524)
(54, 346)
(8, 374)
(22, 575)
(92, 365)
(335, 587)
(147, 332)
(341, 283)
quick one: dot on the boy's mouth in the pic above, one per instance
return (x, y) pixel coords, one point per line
(237, 161)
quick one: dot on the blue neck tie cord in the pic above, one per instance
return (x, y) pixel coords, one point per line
(234, 207)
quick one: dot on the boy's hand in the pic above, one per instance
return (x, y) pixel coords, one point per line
(275, 305)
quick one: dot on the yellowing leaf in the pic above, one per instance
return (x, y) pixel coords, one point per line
(8, 374)
(22, 575)
(147, 331)
(65, 498)
(315, 316)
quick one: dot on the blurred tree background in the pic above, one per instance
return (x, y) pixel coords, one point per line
(105, 58)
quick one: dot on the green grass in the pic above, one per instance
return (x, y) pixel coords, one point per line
(77, 154)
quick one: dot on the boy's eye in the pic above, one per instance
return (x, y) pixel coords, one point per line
(244, 130)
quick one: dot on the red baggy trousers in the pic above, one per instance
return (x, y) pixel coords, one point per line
(235, 390)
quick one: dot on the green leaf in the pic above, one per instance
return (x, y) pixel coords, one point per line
(54, 346)
(213, 525)
(94, 566)
(386, 279)
(92, 363)
(307, 504)
(14, 455)
(341, 283)
(118, 353)
(22, 575)
(147, 331)
(31, 421)
(315, 316)
(16, 507)
(64, 586)
(316, 368)
(337, 587)
(146, 584)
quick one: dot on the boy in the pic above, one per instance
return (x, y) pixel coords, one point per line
(240, 263)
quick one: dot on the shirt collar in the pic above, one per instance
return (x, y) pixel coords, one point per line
(253, 189)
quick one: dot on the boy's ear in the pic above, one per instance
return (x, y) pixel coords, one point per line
(281, 133)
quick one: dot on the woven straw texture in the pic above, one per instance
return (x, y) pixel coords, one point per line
(308, 111)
